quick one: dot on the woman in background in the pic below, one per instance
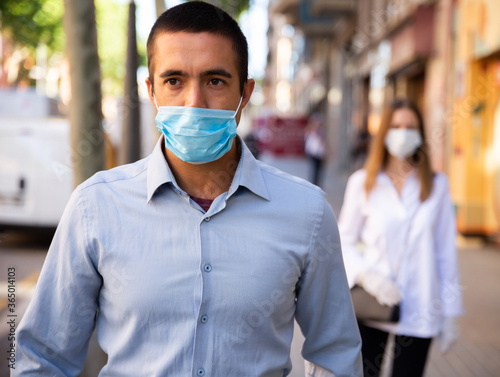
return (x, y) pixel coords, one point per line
(315, 146)
(398, 231)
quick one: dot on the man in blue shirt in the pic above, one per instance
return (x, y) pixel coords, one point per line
(195, 260)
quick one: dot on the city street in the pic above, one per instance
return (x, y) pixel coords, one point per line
(408, 90)
(25, 252)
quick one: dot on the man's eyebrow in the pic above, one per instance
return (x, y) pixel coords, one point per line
(172, 72)
(210, 72)
(217, 72)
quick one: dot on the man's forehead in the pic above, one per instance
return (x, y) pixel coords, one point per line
(178, 38)
(193, 45)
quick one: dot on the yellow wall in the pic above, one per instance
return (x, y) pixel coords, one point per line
(477, 94)
(479, 27)
(487, 33)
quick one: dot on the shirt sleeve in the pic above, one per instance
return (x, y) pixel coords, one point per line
(53, 335)
(446, 252)
(351, 223)
(313, 370)
(324, 309)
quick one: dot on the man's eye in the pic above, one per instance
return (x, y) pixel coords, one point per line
(216, 82)
(172, 82)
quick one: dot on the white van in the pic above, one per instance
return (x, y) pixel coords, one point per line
(36, 178)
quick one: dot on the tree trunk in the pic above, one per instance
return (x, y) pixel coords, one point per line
(160, 7)
(87, 136)
(130, 150)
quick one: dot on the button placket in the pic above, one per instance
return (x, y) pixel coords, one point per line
(207, 267)
(201, 327)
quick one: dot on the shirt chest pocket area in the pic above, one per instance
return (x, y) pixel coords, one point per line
(147, 286)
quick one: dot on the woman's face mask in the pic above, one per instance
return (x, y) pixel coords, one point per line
(197, 135)
(402, 142)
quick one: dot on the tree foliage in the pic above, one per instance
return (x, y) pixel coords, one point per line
(233, 7)
(111, 19)
(31, 22)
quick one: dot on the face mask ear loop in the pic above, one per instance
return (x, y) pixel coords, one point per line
(239, 104)
(156, 103)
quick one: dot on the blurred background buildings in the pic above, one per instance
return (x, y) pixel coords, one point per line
(342, 59)
(348, 58)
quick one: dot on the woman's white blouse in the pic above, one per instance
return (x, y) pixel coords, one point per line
(376, 234)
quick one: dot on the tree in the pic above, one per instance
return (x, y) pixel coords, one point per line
(111, 20)
(87, 136)
(233, 7)
(26, 24)
(31, 22)
(131, 131)
(160, 7)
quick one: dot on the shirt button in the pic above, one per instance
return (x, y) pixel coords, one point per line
(207, 268)
(204, 319)
(200, 372)
(207, 218)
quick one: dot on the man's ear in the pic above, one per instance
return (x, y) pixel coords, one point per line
(247, 92)
(149, 85)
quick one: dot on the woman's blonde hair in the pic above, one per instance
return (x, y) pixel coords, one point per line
(379, 156)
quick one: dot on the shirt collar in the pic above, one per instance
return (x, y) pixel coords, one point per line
(159, 172)
(248, 172)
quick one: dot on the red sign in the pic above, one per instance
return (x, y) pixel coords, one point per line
(281, 136)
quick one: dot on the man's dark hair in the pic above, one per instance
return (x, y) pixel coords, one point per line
(198, 17)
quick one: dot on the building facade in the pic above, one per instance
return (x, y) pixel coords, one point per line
(306, 64)
(475, 118)
(349, 59)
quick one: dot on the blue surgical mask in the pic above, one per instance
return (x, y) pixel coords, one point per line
(197, 135)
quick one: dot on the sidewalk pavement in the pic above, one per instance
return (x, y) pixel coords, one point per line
(477, 352)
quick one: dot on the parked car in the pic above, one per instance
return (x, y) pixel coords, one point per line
(36, 175)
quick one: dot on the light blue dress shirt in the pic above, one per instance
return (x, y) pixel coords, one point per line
(175, 291)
